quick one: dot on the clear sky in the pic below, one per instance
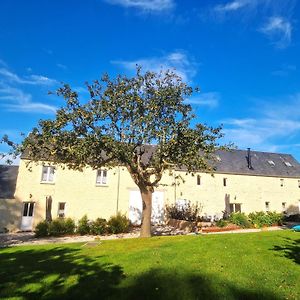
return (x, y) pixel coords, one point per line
(243, 54)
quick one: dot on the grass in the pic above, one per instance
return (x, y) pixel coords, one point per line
(263, 265)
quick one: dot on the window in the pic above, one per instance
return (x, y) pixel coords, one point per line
(198, 180)
(271, 162)
(298, 183)
(267, 205)
(48, 174)
(235, 207)
(61, 209)
(281, 182)
(288, 164)
(28, 209)
(224, 181)
(101, 177)
(283, 205)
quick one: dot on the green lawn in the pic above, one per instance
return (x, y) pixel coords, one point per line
(262, 265)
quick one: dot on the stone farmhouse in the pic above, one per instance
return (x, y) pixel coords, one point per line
(244, 181)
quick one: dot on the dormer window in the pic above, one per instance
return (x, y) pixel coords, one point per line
(288, 164)
(271, 162)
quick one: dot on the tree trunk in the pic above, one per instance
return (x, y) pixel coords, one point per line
(146, 215)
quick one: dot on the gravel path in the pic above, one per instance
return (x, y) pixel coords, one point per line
(27, 238)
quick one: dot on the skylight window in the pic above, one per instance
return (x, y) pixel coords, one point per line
(271, 162)
(218, 158)
(288, 164)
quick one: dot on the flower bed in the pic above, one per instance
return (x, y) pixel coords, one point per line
(220, 229)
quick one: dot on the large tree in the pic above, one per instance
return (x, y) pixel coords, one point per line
(115, 126)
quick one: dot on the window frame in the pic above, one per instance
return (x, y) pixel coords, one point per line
(233, 207)
(49, 168)
(267, 206)
(102, 177)
(59, 213)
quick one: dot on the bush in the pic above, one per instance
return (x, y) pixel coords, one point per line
(69, 226)
(118, 224)
(275, 218)
(188, 212)
(42, 229)
(260, 218)
(57, 227)
(239, 219)
(83, 226)
(221, 223)
(99, 226)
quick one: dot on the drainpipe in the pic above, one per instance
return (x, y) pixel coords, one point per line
(118, 190)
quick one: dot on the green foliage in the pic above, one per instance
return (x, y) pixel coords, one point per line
(57, 227)
(98, 227)
(261, 218)
(118, 224)
(42, 229)
(117, 123)
(83, 226)
(188, 212)
(221, 223)
(239, 219)
(69, 225)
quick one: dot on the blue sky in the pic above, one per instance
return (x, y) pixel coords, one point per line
(243, 54)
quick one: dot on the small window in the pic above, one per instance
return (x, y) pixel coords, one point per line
(283, 205)
(28, 208)
(281, 182)
(101, 177)
(48, 174)
(288, 164)
(224, 181)
(267, 205)
(271, 162)
(61, 209)
(235, 207)
(198, 180)
(298, 183)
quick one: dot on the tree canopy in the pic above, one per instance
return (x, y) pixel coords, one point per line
(115, 125)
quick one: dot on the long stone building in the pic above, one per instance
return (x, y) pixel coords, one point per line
(244, 181)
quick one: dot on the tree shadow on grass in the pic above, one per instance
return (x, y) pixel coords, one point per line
(291, 249)
(161, 284)
(58, 273)
(66, 273)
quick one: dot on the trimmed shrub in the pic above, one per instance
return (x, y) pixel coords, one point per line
(83, 226)
(57, 227)
(42, 229)
(260, 218)
(69, 226)
(275, 218)
(98, 227)
(188, 212)
(118, 224)
(239, 219)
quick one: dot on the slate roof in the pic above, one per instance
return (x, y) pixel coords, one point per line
(8, 180)
(263, 163)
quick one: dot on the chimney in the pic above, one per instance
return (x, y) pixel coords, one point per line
(249, 159)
